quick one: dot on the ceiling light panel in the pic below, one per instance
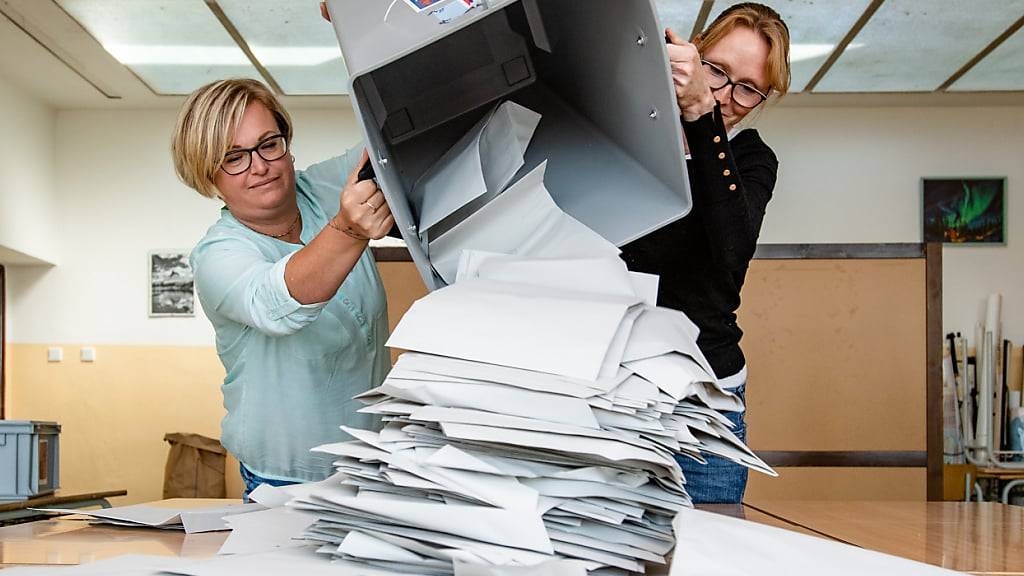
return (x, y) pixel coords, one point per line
(815, 28)
(1003, 69)
(172, 45)
(915, 45)
(293, 42)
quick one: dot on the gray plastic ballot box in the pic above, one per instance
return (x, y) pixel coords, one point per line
(597, 70)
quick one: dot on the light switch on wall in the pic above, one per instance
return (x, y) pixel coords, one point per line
(54, 354)
(88, 354)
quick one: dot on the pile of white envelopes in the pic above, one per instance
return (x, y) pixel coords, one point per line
(535, 418)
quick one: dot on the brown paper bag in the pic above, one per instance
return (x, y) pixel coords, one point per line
(195, 467)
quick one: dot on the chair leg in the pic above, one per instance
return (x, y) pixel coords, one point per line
(1010, 486)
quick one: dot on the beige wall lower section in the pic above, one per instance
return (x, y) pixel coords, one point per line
(114, 412)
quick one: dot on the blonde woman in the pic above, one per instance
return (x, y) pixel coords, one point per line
(728, 71)
(286, 278)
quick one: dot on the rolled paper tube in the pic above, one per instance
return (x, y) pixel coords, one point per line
(992, 312)
(983, 431)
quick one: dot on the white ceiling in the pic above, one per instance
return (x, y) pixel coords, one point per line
(897, 51)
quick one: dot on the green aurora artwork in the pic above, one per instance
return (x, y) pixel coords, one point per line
(964, 210)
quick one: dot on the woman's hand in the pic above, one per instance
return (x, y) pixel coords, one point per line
(692, 90)
(364, 215)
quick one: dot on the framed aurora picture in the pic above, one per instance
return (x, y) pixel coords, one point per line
(964, 210)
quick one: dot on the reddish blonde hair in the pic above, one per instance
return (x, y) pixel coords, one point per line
(763, 20)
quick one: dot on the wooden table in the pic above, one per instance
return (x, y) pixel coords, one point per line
(69, 541)
(20, 509)
(983, 538)
(976, 537)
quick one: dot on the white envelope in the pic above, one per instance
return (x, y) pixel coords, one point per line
(300, 560)
(412, 365)
(607, 275)
(266, 530)
(506, 527)
(494, 398)
(706, 543)
(612, 450)
(515, 325)
(482, 162)
(523, 220)
(362, 545)
(662, 330)
(550, 568)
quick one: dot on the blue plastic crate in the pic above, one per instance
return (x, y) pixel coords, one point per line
(29, 459)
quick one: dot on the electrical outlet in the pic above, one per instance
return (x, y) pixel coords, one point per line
(88, 354)
(55, 354)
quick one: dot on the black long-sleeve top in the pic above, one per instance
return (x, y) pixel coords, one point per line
(702, 259)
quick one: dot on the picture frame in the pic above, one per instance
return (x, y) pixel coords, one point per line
(171, 284)
(964, 211)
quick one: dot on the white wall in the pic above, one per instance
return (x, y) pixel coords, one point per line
(119, 199)
(853, 175)
(847, 175)
(27, 202)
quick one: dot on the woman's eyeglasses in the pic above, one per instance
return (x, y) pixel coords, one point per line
(743, 94)
(240, 159)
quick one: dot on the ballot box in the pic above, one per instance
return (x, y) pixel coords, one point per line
(596, 71)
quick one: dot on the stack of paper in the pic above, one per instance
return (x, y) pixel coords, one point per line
(527, 423)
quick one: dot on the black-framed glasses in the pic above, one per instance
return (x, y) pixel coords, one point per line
(742, 93)
(240, 159)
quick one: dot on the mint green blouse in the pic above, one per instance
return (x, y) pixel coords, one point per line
(292, 369)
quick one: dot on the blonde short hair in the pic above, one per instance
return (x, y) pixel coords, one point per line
(763, 20)
(206, 125)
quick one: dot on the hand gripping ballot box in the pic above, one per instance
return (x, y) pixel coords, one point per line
(596, 70)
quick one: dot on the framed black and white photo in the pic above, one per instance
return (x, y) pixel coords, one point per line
(171, 286)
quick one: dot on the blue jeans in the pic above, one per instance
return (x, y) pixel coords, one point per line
(252, 480)
(720, 481)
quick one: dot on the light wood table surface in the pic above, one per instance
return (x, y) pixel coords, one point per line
(976, 537)
(22, 509)
(983, 538)
(69, 540)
